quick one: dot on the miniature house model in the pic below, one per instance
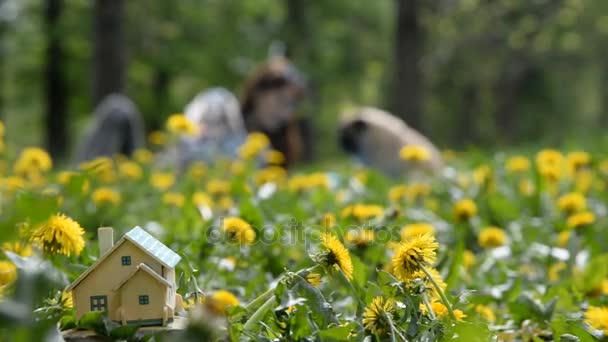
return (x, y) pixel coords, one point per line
(133, 280)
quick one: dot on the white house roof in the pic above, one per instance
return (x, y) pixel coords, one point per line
(153, 247)
(144, 268)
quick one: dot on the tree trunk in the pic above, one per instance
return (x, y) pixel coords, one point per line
(55, 83)
(109, 54)
(406, 83)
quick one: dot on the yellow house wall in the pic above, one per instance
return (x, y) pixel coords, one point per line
(107, 275)
(143, 284)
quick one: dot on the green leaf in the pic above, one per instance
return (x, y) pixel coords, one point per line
(93, 320)
(337, 333)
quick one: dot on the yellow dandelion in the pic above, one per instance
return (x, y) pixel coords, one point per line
(201, 199)
(442, 311)
(577, 160)
(337, 255)
(397, 193)
(563, 238)
(221, 301)
(174, 199)
(67, 301)
(271, 174)
(597, 318)
(17, 247)
(413, 229)
(464, 210)
(526, 187)
(572, 202)
(275, 158)
(162, 180)
(130, 170)
(328, 220)
(517, 164)
(492, 237)
(8, 272)
(482, 175)
(314, 279)
(468, 258)
(218, 187)
(225, 203)
(33, 159)
(104, 196)
(311, 181)
(143, 156)
(360, 238)
(238, 230)
(181, 125)
(555, 269)
(157, 138)
(415, 153)
(549, 157)
(378, 315)
(197, 170)
(550, 172)
(363, 212)
(485, 312)
(255, 143)
(59, 235)
(581, 219)
(417, 251)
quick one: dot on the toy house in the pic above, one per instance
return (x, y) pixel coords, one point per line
(133, 280)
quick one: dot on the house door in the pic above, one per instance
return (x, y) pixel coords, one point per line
(99, 303)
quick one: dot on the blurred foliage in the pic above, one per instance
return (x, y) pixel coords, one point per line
(494, 72)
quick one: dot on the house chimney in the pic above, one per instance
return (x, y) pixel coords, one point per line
(106, 239)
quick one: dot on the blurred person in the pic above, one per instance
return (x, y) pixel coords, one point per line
(117, 128)
(378, 138)
(272, 103)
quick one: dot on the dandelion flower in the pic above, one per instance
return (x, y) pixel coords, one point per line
(572, 202)
(337, 254)
(255, 143)
(218, 187)
(275, 158)
(360, 238)
(464, 210)
(157, 138)
(436, 277)
(220, 301)
(581, 219)
(59, 235)
(130, 170)
(415, 153)
(33, 159)
(416, 251)
(103, 196)
(174, 199)
(491, 237)
(314, 279)
(414, 229)
(8, 272)
(19, 248)
(486, 312)
(377, 315)
(397, 193)
(67, 301)
(201, 199)
(549, 157)
(181, 125)
(197, 170)
(468, 258)
(238, 230)
(517, 164)
(162, 180)
(597, 318)
(271, 174)
(143, 156)
(441, 311)
(578, 159)
(363, 212)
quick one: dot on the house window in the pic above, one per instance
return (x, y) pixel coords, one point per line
(99, 303)
(144, 300)
(125, 260)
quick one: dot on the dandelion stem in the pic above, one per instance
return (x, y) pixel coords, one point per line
(259, 299)
(444, 299)
(393, 330)
(352, 288)
(259, 314)
(425, 300)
